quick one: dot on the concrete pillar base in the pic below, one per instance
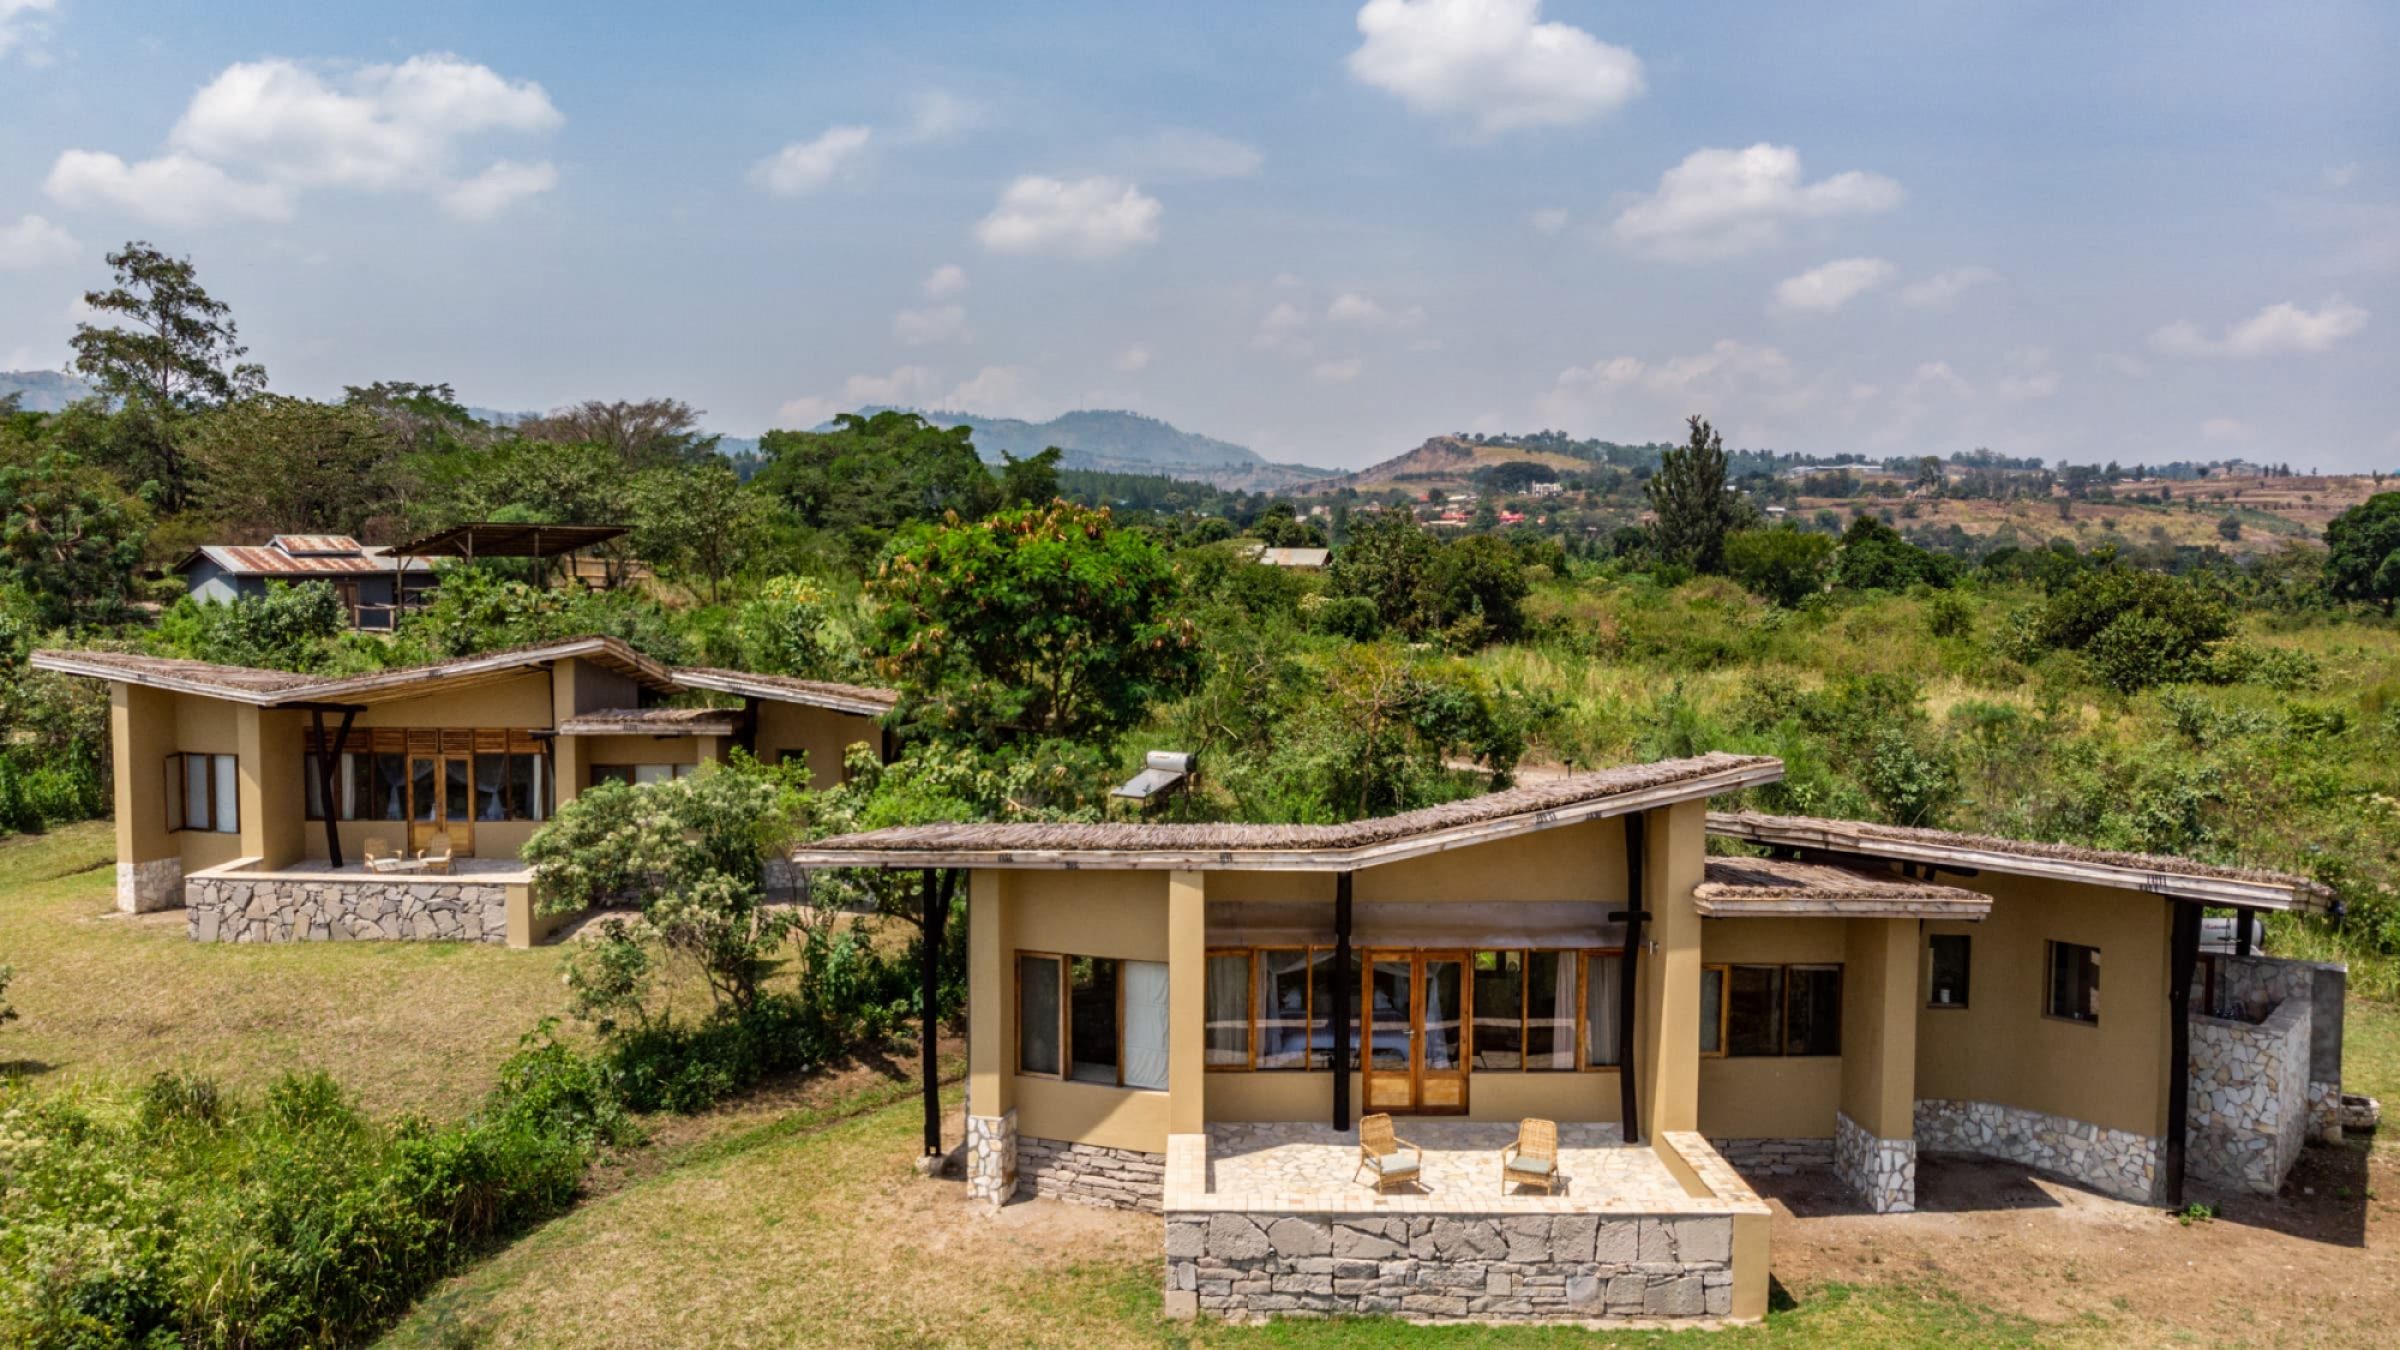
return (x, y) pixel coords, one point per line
(992, 1158)
(147, 887)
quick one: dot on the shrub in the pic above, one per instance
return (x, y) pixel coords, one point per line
(1948, 615)
(1346, 616)
(1784, 564)
(2137, 628)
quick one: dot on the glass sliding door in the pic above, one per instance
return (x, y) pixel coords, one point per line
(1417, 1020)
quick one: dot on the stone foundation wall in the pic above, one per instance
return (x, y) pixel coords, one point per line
(992, 1158)
(147, 887)
(1087, 1174)
(247, 907)
(2249, 1097)
(2112, 1162)
(1882, 1172)
(1774, 1157)
(2325, 1112)
(1243, 1267)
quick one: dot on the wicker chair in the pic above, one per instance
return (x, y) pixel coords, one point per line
(1533, 1159)
(1379, 1151)
(436, 854)
(380, 856)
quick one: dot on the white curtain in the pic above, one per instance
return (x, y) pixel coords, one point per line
(1146, 1024)
(1601, 992)
(229, 796)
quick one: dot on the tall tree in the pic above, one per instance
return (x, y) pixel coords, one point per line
(644, 434)
(69, 538)
(164, 349)
(697, 520)
(271, 464)
(2362, 557)
(1032, 625)
(879, 472)
(1695, 511)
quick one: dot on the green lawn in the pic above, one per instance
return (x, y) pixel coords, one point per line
(105, 998)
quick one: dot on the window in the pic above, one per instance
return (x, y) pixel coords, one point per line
(1499, 1010)
(1603, 975)
(204, 793)
(511, 787)
(1550, 1011)
(1947, 985)
(633, 774)
(2074, 992)
(1092, 1019)
(1320, 994)
(1756, 1012)
(1227, 1036)
(1281, 988)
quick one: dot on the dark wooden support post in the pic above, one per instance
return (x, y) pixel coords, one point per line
(2183, 954)
(2245, 924)
(329, 764)
(1628, 998)
(936, 919)
(1341, 1001)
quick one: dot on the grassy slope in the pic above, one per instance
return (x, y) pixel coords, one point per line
(407, 1026)
(817, 1230)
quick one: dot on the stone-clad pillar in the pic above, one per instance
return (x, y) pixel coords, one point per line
(991, 1115)
(1874, 1134)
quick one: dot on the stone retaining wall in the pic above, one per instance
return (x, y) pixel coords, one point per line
(146, 887)
(1244, 1267)
(1882, 1172)
(1087, 1174)
(1774, 1157)
(2112, 1162)
(252, 907)
(2249, 1097)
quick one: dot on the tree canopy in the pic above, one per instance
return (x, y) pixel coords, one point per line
(2363, 551)
(1695, 511)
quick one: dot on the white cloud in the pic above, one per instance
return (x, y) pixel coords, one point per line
(804, 166)
(1337, 372)
(21, 23)
(941, 114)
(35, 242)
(1133, 358)
(1826, 288)
(1718, 203)
(934, 323)
(262, 132)
(947, 279)
(1732, 381)
(2131, 367)
(994, 391)
(1942, 289)
(1681, 375)
(2030, 376)
(1284, 330)
(2340, 176)
(498, 188)
(1358, 311)
(2224, 429)
(172, 189)
(1087, 218)
(1179, 154)
(1548, 220)
(906, 386)
(2276, 330)
(1491, 64)
(807, 412)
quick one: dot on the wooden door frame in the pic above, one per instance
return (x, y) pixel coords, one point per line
(1414, 958)
(461, 832)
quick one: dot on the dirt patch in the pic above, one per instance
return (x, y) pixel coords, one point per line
(2313, 1265)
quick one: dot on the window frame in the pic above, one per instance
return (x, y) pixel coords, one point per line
(1581, 1052)
(2050, 953)
(1066, 1019)
(1966, 975)
(223, 817)
(1249, 1062)
(1783, 1040)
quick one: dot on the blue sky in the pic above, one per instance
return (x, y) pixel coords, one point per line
(2134, 231)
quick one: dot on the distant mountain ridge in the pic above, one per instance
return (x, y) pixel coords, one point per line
(1129, 442)
(42, 390)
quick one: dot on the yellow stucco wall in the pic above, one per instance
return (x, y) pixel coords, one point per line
(520, 701)
(2001, 1048)
(823, 734)
(1113, 914)
(1772, 1098)
(141, 728)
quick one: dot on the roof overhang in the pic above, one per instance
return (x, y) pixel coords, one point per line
(1151, 857)
(862, 700)
(508, 539)
(1970, 854)
(1772, 888)
(383, 686)
(653, 722)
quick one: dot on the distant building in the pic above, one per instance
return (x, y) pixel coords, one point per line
(1546, 489)
(1307, 558)
(363, 578)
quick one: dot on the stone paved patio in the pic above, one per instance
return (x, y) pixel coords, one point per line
(1301, 1166)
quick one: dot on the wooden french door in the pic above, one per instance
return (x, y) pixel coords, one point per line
(1415, 1028)
(441, 800)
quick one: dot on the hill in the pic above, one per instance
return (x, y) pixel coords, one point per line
(42, 390)
(1128, 442)
(1448, 462)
